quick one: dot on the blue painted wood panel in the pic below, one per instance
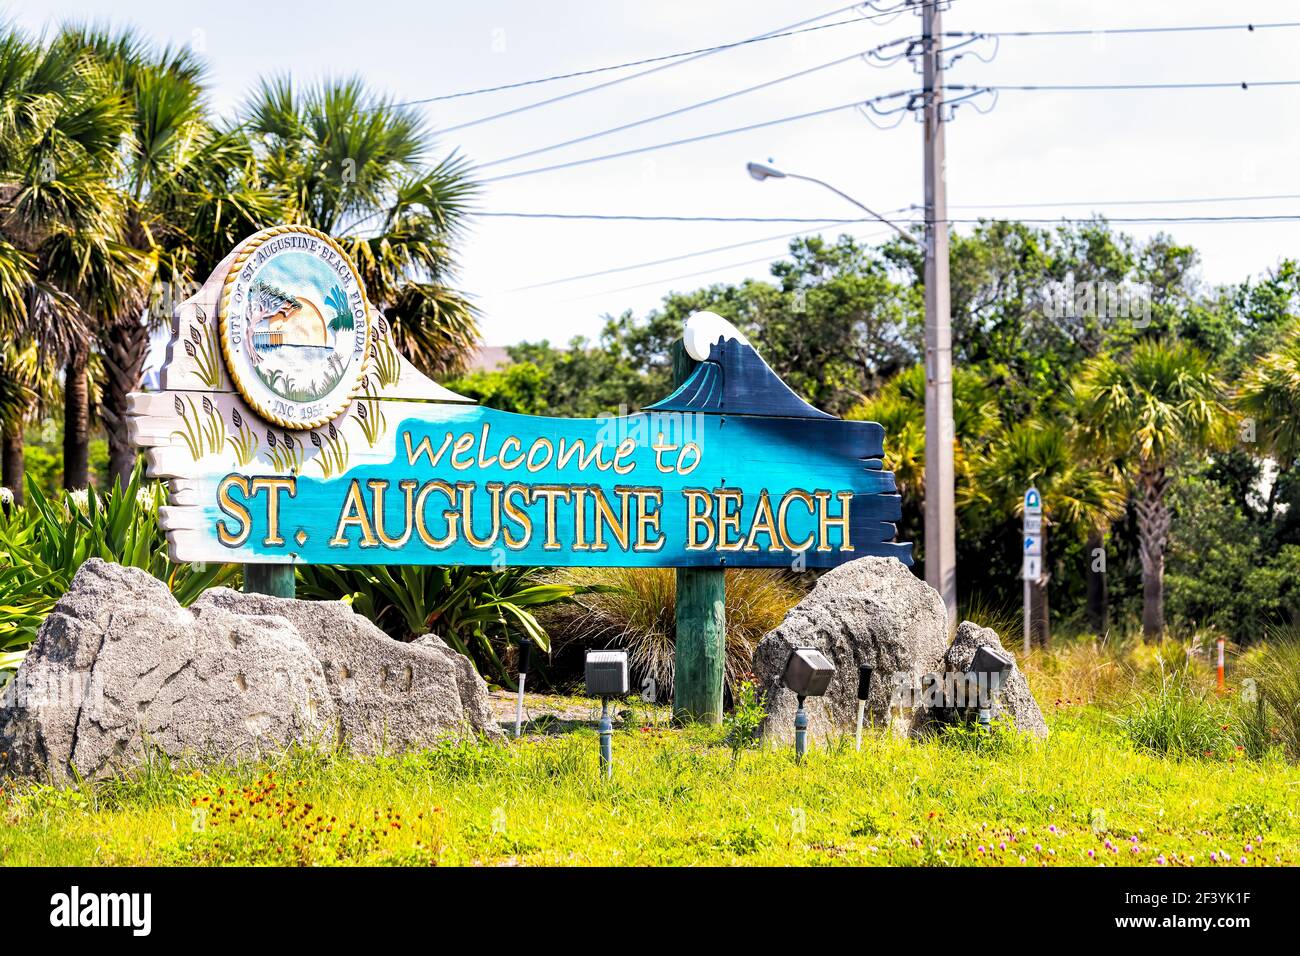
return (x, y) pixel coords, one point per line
(471, 485)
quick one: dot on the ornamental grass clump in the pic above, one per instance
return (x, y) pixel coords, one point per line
(634, 609)
(1176, 719)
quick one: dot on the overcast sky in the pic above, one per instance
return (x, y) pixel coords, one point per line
(1094, 148)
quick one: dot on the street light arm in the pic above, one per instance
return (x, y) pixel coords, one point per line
(844, 195)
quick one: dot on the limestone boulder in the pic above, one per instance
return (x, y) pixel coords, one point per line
(871, 611)
(1013, 699)
(119, 670)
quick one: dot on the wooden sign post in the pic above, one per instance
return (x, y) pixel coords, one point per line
(290, 430)
(700, 624)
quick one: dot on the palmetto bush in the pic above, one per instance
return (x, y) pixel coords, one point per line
(43, 543)
(634, 608)
(479, 612)
(1277, 677)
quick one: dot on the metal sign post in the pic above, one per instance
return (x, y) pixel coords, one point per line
(1032, 555)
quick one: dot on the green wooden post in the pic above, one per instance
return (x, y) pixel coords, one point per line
(273, 579)
(701, 622)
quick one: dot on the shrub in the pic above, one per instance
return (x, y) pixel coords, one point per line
(43, 543)
(746, 717)
(1176, 719)
(478, 612)
(635, 609)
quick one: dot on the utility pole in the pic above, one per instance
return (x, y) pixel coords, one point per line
(940, 516)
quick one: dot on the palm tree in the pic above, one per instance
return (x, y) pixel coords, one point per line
(187, 194)
(900, 407)
(355, 166)
(1079, 497)
(1148, 408)
(1269, 395)
(61, 122)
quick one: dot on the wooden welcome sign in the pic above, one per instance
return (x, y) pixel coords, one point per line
(289, 429)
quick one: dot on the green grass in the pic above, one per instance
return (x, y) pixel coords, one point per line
(678, 798)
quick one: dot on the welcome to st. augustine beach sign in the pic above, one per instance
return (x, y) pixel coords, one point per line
(289, 429)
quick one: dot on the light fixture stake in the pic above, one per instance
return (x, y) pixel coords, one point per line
(606, 741)
(800, 731)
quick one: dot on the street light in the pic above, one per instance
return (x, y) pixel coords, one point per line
(761, 171)
(940, 506)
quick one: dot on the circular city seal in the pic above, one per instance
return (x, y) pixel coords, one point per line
(295, 326)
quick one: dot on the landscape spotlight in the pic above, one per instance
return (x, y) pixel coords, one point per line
(525, 657)
(864, 691)
(991, 666)
(606, 673)
(808, 673)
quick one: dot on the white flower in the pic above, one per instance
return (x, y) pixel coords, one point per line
(6, 496)
(80, 498)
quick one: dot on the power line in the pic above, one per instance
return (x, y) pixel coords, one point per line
(1115, 31)
(623, 79)
(827, 223)
(1140, 220)
(1124, 202)
(883, 46)
(686, 255)
(950, 221)
(1109, 87)
(830, 220)
(702, 272)
(882, 98)
(689, 139)
(676, 112)
(643, 62)
(794, 29)
(586, 216)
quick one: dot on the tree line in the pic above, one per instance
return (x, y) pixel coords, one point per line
(1159, 416)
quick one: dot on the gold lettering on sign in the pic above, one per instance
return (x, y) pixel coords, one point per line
(789, 498)
(273, 487)
(466, 489)
(517, 514)
(228, 505)
(354, 515)
(377, 488)
(647, 520)
(451, 516)
(580, 542)
(425, 448)
(550, 494)
(514, 462)
(694, 519)
(763, 523)
(729, 518)
(824, 520)
(605, 517)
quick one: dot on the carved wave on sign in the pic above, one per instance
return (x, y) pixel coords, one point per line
(735, 379)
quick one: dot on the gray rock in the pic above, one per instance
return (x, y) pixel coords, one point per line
(388, 695)
(1014, 698)
(119, 668)
(870, 611)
